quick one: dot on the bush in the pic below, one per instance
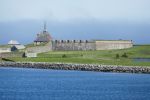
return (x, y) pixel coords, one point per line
(5, 59)
(64, 56)
(125, 55)
(117, 56)
(24, 55)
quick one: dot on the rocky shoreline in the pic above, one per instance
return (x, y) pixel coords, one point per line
(80, 67)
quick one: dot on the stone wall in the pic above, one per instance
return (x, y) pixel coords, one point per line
(11, 54)
(73, 45)
(113, 44)
(2, 50)
(40, 49)
(82, 67)
(90, 45)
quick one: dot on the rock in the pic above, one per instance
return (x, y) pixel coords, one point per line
(82, 67)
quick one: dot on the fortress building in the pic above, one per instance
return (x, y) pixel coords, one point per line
(70, 45)
(43, 37)
(91, 45)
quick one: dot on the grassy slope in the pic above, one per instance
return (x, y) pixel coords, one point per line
(94, 57)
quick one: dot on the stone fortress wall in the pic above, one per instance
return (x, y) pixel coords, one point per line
(39, 49)
(11, 54)
(81, 45)
(3, 50)
(113, 44)
(75, 45)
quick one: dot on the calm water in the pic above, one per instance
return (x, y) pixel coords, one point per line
(141, 59)
(40, 84)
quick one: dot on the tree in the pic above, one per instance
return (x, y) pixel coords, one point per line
(64, 56)
(125, 55)
(117, 56)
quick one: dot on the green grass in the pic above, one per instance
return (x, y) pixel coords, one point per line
(94, 57)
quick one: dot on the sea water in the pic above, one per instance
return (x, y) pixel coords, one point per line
(41, 84)
(141, 59)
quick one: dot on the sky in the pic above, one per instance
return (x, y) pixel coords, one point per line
(21, 20)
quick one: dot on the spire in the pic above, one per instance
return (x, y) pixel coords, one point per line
(45, 26)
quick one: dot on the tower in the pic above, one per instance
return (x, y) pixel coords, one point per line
(45, 26)
(43, 37)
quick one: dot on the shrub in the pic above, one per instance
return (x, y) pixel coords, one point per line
(117, 56)
(64, 56)
(5, 59)
(125, 55)
(24, 55)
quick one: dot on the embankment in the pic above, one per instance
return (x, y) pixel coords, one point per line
(81, 67)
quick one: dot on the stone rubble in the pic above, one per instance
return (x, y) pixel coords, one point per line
(80, 67)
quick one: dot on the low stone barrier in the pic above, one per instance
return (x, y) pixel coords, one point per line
(81, 67)
(11, 54)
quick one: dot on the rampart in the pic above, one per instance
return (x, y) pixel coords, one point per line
(3, 50)
(11, 54)
(40, 49)
(80, 45)
(90, 45)
(113, 44)
(73, 45)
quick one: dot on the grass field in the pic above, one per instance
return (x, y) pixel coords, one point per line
(95, 57)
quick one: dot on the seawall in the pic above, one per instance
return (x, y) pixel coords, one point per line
(81, 67)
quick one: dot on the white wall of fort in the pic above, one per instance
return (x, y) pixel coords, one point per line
(40, 49)
(113, 44)
(75, 45)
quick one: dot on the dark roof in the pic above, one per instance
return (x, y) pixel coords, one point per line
(43, 37)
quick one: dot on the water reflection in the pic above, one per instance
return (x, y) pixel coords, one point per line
(141, 59)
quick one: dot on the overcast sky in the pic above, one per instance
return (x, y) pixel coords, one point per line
(75, 19)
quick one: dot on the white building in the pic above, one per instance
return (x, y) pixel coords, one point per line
(15, 45)
(13, 42)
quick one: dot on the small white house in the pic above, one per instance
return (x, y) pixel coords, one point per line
(13, 42)
(15, 45)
